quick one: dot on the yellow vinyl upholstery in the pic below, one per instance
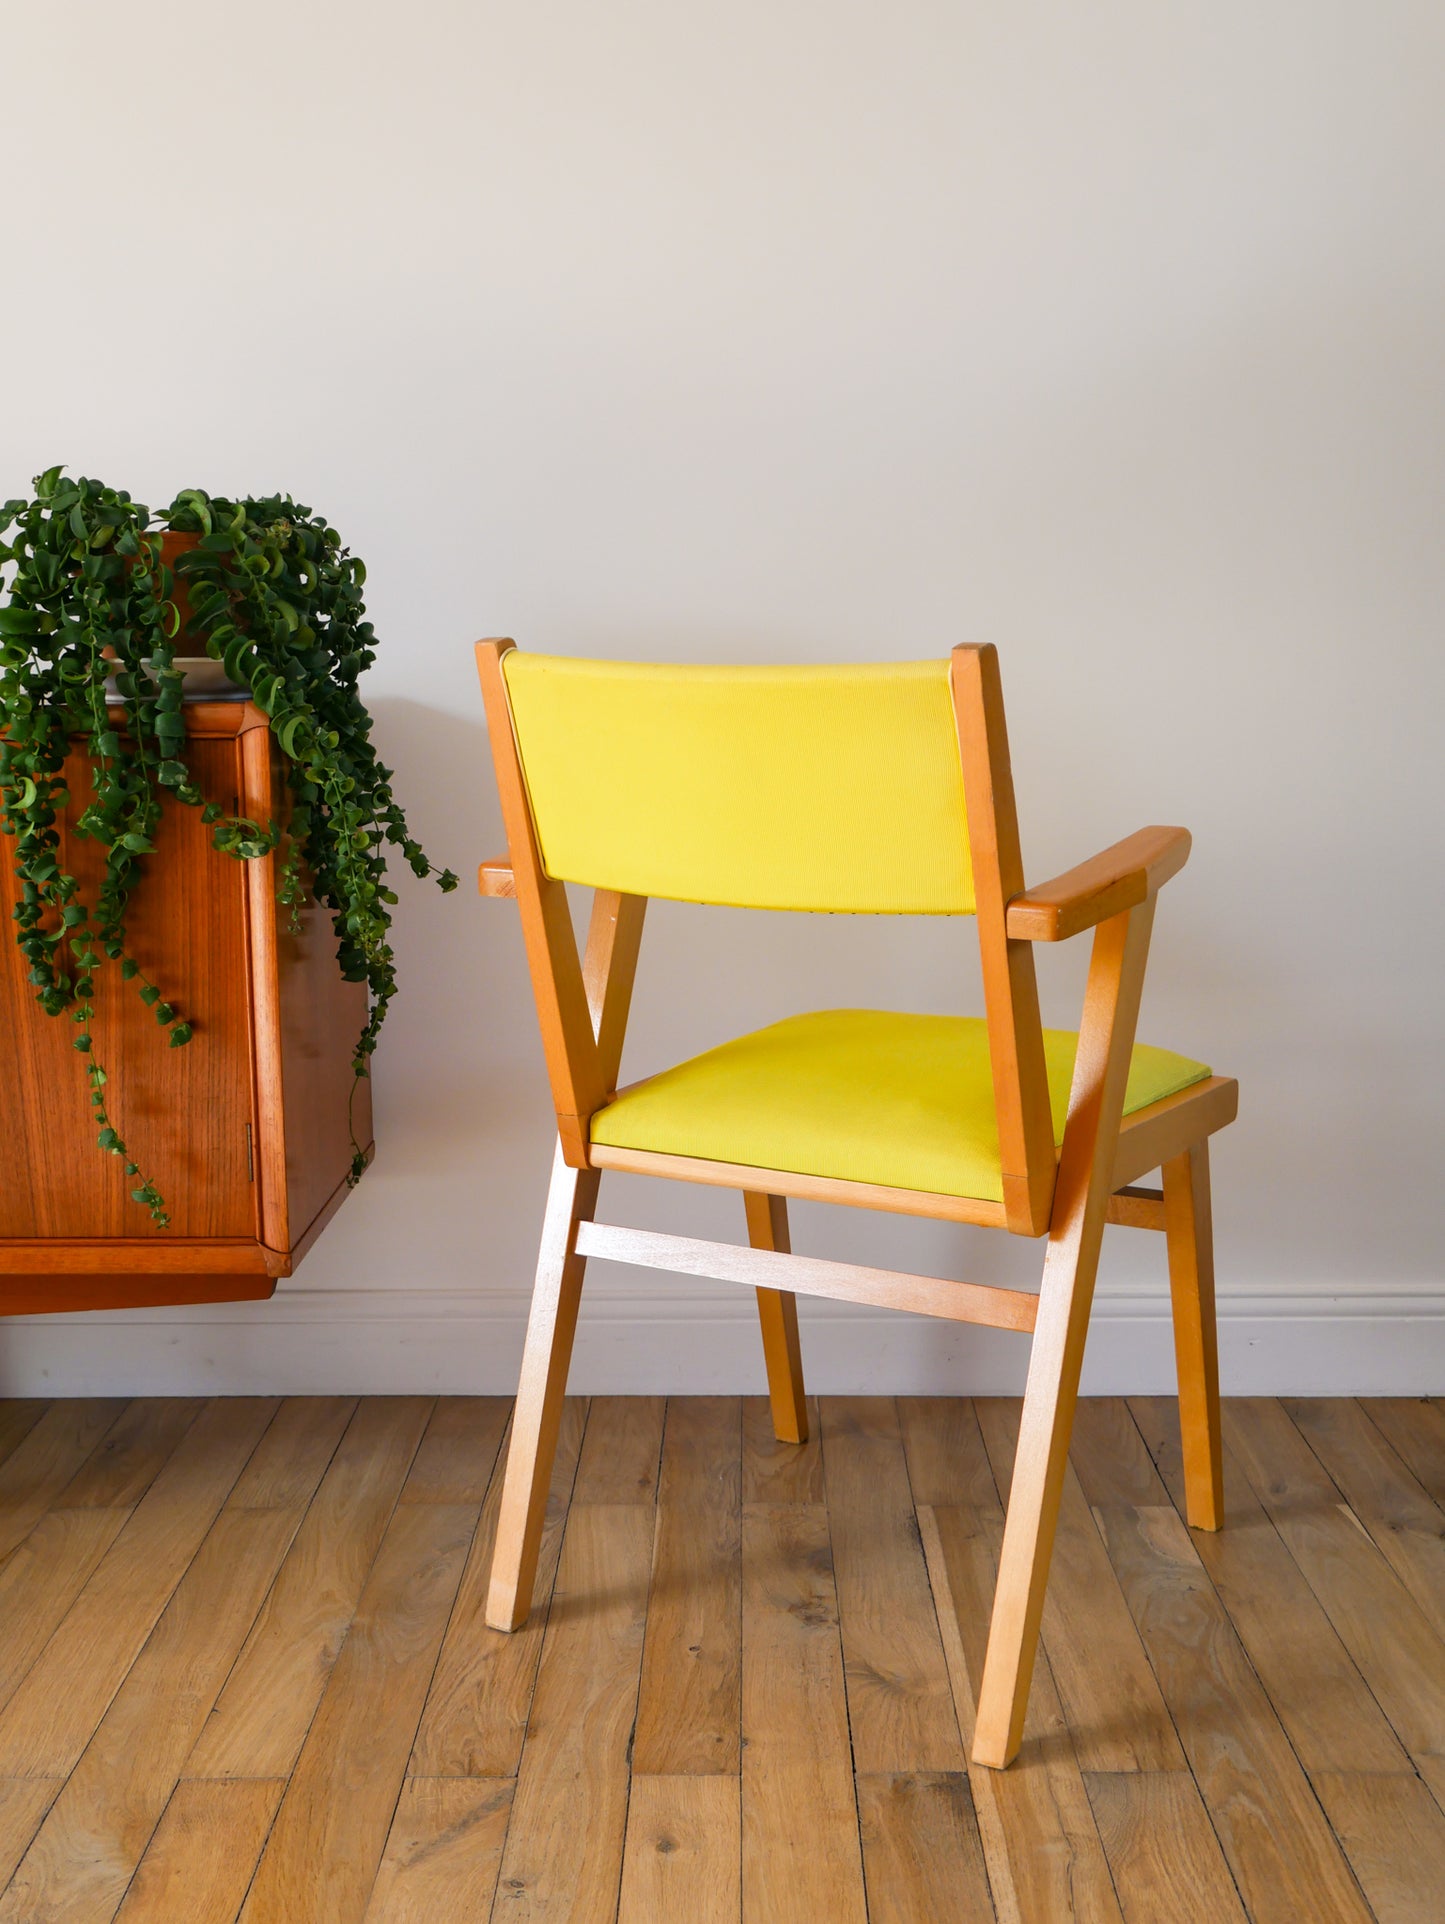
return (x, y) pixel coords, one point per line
(772, 788)
(858, 1094)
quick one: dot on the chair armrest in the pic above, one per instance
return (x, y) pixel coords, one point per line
(1105, 885)
(496, 878)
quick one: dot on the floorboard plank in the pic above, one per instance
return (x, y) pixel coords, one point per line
(1284, 1859)
(1399, 1655)
(689, 1704)
(775, 1472)
(204, 1852)
(802, 1860)
(52, 1715)
(23, 1804)
(476, 1710)
(680, 1864)
(261, 1718)
(459, 1451)
(563, 1855)
(1107, 1688)
(131, 1454)
(87, 1850)
(621, 1450)
(900, 1709)
(324, 1850)
(922, 1857)
(1162, 1849)
(1040, 1842)
(1414, 1427)
(683, 1749)
(1318, 1694)
(1406, 1523)
(37, 1470)
(1041, 1845)
(18, 1417)
(444, 1848)
(1394, 1833)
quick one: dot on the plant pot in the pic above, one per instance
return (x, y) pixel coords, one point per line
(205, 679)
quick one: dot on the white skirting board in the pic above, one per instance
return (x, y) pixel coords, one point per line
(691, 1338)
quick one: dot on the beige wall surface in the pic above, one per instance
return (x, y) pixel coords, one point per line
(812, 332)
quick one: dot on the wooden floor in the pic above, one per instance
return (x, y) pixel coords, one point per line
(243, 1670)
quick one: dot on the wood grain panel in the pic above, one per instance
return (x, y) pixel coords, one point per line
(130, 1594)
(1407, 1525)
(1414, 1426)
(1040, 1841)
(187, 930)
(18, 1418)
(1393, 1832)
(1318, 1694)
(49, 1720)
(900, 1710)
(40, 1467)
(1281, 1852)
(1107, 1690)
(1162, 1849)
(23, 1804)
(323, 1853)
(680, 1862)
(563, 1856)
(263, 1714)
(1398, 1653)
(797, 1777)
(775, 1472)
(621, 1450)
(921, 1852)
(689, 1703)
(459, 1452)
(200, 1860)
(476, 1710)
(97, 1830)
(443, 1851)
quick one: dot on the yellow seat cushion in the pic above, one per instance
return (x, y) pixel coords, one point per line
(859, 1094)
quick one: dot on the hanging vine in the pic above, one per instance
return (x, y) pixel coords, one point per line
(276, 598)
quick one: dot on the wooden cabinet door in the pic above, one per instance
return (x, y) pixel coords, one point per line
(186, 1114)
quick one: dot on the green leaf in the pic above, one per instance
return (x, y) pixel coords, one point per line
(150, 994)
(180, 1035)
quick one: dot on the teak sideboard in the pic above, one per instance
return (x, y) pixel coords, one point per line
(244, 1130)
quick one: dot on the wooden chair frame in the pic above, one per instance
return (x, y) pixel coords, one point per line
(583, 1006)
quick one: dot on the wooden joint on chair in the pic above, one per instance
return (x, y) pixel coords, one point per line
(1107, 884)
(495, 878)
(999, 1308)
(1137, 1208)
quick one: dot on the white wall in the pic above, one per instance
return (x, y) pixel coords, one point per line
(802, 331)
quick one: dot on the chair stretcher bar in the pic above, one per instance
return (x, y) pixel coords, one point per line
(811, 1276)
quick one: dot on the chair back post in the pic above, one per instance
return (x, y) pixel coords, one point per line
(1010, 988)
(569, 1042)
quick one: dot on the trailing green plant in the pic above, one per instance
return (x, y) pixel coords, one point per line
(277, 599)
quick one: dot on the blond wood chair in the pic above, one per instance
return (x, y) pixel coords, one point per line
(883, 789)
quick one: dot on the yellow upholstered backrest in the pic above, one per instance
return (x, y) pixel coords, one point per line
(773, 788)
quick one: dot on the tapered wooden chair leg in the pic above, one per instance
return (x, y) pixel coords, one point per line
(1190, 1234)
(778, 1315)
(1040, 1461)
(550, 1328)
